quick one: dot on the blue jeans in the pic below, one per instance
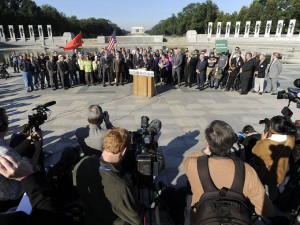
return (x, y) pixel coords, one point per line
(27, 79)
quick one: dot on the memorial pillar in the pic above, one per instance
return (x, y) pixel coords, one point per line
(268, 28)
(31, 33)
(227, 31)
(257, 28)
(22, 33)
(279, 28)
(219, 28)
(2, 34)
(237, 29)
(291, 28)
(12, 33)
(247, 28)
(209, 29)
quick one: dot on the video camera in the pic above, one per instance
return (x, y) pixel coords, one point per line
(37, 119)
(143, 153)
(293, 94)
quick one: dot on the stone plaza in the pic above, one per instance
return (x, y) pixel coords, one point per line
(184, 113)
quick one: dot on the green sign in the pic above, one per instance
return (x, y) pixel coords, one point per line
(221, 45)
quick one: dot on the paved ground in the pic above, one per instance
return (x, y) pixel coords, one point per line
(184, 113)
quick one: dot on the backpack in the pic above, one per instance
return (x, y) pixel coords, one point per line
(221, 206)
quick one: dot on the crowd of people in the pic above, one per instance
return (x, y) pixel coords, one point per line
(258, 172)
(228, 71)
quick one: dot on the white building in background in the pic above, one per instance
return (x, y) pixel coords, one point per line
(137, 30)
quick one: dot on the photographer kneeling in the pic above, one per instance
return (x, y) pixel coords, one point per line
(107, 196)
(272, 154)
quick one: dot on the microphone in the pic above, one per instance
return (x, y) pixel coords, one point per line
(44, 106)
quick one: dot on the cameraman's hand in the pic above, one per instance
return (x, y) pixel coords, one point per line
(105, 116)
(15, 169)
(264, 135)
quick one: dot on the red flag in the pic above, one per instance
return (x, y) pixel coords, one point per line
(75, 43)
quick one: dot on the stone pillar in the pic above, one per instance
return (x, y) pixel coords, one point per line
(40, 31)
(247, 28)
(12, 33)
(227, 31)
(49, 31)
(237, 29)
(219, 29)
(2, 34)
(22, 33)
(209, 29)
(191, 36)
(257, 28)
(291, 28)
(279, 28)
(268, 28)
(31, 33)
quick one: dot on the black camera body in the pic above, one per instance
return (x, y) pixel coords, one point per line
(292, 94)
(143, 157)
(37, 119)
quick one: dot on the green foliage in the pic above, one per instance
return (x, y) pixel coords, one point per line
(196, 16)
(26, 12)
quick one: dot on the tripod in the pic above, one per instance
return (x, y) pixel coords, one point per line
(152, 200)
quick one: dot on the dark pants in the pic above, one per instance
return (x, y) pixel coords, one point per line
(16, 68)
(106, 75)
(44, 74)
(245, 82)
(53, 79)
(73, 76)
(82, 77)
(188, 77)
(201, 79)
(119, 77)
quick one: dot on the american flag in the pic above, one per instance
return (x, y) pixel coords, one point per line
(112, 41)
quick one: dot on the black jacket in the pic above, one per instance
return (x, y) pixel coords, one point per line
(247, 68)
(261, 68)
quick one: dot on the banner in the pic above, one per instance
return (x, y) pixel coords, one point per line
(221, 45)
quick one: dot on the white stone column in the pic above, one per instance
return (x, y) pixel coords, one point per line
(191, 36)
(2, 34)
(291, 28)
(257, 28)
(40, 31)
(219, 29)
(268, 28)
(279, 28)
(31, 33)
(22, 33)
(247, 28)
(12, 33)
(227, 31)
(237, 29)
(49, 31)
(209, 29)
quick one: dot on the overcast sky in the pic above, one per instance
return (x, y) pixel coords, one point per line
(129, 13)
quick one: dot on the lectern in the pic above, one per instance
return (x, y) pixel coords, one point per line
(143, 82)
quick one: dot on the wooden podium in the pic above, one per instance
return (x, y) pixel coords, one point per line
(143, 82)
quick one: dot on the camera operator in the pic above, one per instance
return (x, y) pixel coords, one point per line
(272, 153)
(10, 190)
(90, 138)
(107, 196)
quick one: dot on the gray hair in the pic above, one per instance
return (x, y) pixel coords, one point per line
(95, 115)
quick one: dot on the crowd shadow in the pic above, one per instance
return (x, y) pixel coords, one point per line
(163, 88)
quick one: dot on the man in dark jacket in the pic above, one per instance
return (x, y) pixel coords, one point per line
(107, 196)
(189, 69)
(200, 70)
(62, 68)
(43, 71)
(246, 72)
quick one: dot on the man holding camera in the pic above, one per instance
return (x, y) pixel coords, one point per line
(10, 190)
(107, 196)
(90, 138)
